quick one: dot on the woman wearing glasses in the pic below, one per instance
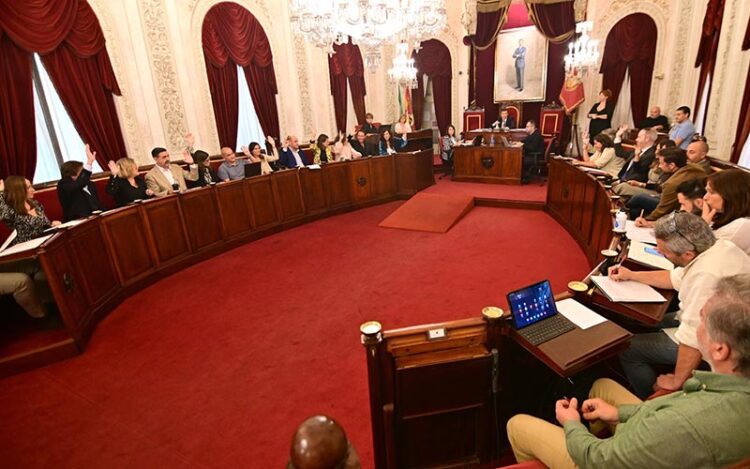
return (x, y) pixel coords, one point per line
(727, 206)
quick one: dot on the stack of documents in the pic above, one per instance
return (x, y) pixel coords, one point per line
(648, 255)
(578, 314)
(25, 246)
(627, 290)
(642, 234)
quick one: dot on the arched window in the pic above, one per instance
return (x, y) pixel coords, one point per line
(233, 38)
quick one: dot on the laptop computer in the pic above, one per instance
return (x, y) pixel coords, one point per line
(535, 315)
(252, 169)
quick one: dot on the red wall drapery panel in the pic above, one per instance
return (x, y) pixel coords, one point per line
(66, 33)
(434, 60)
(17, 129)
(708, 49)
(557, 21)
(346, 65)
(232, 36)
(631, 44)
(743, 126)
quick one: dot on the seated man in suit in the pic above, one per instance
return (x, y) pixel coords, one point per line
(697, 153)
(232, 169)
(671, 161)
(655, 120)
(368, 127)
(361, 145)
(705, 425)
(505, 121)
(75, 190)
(638, 161)
(167, 178)
(533, 145)
(291, 155)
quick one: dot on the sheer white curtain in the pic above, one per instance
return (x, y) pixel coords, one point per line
(67, 137)
(248, 125)
(351, 117)
(745, 155)
(428, 110)
(623, 113)
(700, 113)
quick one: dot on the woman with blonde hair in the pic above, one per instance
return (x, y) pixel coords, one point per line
(403, 126)
(125, 184)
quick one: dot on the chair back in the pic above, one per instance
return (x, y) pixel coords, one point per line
(551, 121)
(514, 111)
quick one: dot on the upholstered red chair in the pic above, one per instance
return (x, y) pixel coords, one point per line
(473, 118)
(551, 121)
(515, 111)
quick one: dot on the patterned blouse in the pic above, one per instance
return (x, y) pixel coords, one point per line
(27, 226)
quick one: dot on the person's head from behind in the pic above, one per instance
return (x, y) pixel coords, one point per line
(369, 118)
(646, 137)
(690, 195)
(18, 190)
(604, 95)
(202, 159)
(728, 192)
(323, 142)
(666, 143)
(229, 155)
(654, 112)
(161, 157)
(672, 159)
(697, 151)
(681, 237)
(361, 137)
(450, 131)
(530, 126)
(602, 141)
(321, 443)
(682, 114)
(127, 168)
(724, 329)
(293, 142)
(71, 170)
(255, 149)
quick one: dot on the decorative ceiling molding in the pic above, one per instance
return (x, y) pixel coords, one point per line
(580, 7)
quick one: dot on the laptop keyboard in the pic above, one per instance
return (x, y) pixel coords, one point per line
(547, 329)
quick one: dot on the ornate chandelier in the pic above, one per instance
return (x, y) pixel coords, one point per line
(368, 23)
(403, 70)
(584, 53)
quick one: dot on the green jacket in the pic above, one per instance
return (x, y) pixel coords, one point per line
(706, 425)
(668, 201)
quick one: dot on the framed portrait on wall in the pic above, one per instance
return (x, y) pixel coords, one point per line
(520, 65)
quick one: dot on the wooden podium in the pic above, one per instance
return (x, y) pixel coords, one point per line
(473, 118)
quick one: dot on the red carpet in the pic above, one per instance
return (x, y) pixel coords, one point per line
(435, 213)
(216, 365)
(533, 192)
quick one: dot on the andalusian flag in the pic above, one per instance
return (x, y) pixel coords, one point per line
(404, 102)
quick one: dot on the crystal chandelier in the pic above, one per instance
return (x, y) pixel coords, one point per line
(368, 23)
(584, 53)
(403, 71)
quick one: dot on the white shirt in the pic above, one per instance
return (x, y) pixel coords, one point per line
(297, 158)
(696, 283)
(738, 232)
(167, 174)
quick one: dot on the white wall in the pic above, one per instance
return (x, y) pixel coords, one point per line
(155, 46)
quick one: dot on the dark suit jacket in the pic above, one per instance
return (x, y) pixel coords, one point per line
(75, 202)
(369, 129)
(639, 170)
(367, 150)
(286, 158)
(123, 192)
(510, 123)
(534, 143)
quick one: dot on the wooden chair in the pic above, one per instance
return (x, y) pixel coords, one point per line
(515, 111)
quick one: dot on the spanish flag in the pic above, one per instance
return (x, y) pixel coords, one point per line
(572, 95)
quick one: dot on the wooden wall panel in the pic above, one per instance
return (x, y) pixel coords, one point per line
(234, 213)
(130, 244)
(313, 190)
(288, 195)
(383, 175)
(88, 250)
(338, 188)
(360, 180)
(202, 218)
(262, 202)
(167, 228)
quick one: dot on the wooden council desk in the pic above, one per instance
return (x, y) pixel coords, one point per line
(93, 266)
(488, 164)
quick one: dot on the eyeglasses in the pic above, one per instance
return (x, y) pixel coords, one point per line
(676, 229)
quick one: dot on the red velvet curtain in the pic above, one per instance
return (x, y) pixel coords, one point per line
(233, 36)
(434, 60)
(631, 45)
(66, 33)
(482, 58)
(346, 65)
(743, 126)
(708, 49)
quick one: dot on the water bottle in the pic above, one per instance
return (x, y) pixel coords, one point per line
(621, 219)
(492, 140)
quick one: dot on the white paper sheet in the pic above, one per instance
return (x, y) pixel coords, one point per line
(627, 290)
(641, 234)
(9, 240)
(647, 255)
(25, 246)
(578, 314)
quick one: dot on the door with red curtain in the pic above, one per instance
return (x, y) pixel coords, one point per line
(434, 60)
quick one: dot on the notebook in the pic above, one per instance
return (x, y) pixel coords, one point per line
(647, 255)
(627, 290)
